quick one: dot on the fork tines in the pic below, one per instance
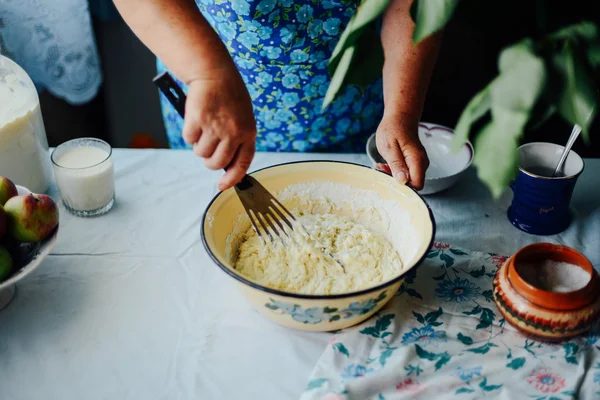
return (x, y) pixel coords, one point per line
(264, 210)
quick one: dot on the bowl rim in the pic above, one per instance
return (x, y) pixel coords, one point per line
(430, 126)
(305, 296)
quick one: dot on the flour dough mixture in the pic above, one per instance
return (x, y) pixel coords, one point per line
(302, 267)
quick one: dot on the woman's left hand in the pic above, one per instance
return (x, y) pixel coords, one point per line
(398, 143)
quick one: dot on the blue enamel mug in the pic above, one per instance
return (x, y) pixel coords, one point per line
(540, 204)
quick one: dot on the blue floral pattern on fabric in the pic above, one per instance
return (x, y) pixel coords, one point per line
(441, 337)
(281, 49)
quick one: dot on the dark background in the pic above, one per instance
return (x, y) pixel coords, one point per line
(126, 111)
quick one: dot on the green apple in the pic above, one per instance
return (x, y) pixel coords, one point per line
(2, 222)
(31, 217)
(6, 264)
(7, 190)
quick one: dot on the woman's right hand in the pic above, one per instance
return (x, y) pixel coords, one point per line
(219, 123)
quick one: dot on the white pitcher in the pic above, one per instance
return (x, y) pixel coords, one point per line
(24, 155)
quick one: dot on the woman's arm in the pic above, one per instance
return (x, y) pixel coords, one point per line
(219, 119)
(406, 76)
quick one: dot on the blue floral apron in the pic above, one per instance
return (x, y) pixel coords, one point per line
(281, 48)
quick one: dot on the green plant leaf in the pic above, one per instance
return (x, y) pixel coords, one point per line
(367, 63)
(328, 310)
(430, 16)
(339, 76)
(516, 363)
(513, 95)
(464, 390)
(495, 158)
(466, 340)
(341, 348)
(365, 14)
(576, 101)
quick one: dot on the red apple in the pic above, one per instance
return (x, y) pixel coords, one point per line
(7, 190)
(31, 217)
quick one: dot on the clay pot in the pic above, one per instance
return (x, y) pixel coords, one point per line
(544, 314)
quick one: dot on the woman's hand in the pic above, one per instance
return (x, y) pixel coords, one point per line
(219, 123)
(398, 143)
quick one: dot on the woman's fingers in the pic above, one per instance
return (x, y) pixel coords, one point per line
(206, 146)
(192, 128)
(417, 161)
(238, 167)
(222, 155)
(391, 152)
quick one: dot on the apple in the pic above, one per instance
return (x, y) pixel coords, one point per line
(6, 264)
(31, 217)
(2, 222)
(7, 190)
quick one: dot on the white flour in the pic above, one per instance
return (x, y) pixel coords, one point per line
(385, 217)
(554, 276)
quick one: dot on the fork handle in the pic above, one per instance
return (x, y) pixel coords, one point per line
(174, 94)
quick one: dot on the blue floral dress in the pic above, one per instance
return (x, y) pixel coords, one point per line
(281, 48)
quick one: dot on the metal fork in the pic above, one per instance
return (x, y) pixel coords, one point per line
(263, 209)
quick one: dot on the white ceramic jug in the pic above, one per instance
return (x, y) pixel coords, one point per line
(24, 155)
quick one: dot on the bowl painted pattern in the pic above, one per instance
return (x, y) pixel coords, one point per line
(545, 315)
(316, 312)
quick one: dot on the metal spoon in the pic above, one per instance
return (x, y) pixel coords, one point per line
(563, 157)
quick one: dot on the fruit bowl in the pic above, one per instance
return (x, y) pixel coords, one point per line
(28, 257)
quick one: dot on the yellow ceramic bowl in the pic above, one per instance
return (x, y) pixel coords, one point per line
(317, 312)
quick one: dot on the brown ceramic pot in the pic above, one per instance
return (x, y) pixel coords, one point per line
(543, 314)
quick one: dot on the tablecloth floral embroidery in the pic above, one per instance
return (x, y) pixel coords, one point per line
(443, 337)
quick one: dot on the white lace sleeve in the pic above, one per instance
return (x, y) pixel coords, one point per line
(53, 41)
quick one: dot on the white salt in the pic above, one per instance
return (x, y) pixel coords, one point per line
(554, 276)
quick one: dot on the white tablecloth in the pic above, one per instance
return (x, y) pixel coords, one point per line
(129, 305)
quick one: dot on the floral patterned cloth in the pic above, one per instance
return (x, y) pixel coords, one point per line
(443, 337)
(281, 48)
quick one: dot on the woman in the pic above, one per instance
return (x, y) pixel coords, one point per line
(256, 74)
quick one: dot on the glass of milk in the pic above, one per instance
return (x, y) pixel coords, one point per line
(85, 176)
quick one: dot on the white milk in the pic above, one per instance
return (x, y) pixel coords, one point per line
(24, 156)
(85, 177)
